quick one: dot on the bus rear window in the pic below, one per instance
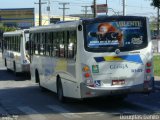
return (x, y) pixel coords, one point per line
(125, 35)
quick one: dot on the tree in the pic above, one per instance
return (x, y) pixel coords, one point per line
(153, 23)
(156, 3)
(7, 29)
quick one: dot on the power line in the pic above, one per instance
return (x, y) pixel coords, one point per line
(138, 7)
(64, 8)
(80, 3)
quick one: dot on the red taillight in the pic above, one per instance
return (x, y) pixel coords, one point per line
(148, 70)
(148, 67)
(148, 75)
(87, 75)
(148, 64)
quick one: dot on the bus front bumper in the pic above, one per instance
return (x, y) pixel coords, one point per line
(89, 92)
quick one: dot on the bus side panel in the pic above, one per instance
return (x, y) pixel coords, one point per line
(70, 86)
(49, 77)
(50, 67)
(12, 57)
(65, 68)
(32, 70)
(6, 56)
(17, 59)
(36, 66)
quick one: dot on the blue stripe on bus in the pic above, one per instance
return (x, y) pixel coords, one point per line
(99, 59)
(132, 58)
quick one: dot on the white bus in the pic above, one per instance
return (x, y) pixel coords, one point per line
(94, 57)
(15, 53)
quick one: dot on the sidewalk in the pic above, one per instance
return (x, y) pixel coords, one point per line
(157, 78)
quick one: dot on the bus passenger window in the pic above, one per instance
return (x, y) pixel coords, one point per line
(72, 45)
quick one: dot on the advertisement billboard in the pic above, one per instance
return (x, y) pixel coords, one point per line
(101, 8)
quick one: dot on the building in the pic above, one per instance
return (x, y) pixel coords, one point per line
(24, 18)
(46, 19)
(82, 15)
(18, 17)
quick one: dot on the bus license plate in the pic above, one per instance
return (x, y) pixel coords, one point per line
(118, 82)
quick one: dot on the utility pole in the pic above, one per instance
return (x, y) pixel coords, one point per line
(94, 8)
(40, 11)
(158, 33)
(107, 7)
(64, 8)
(49, 9)
(85, 10)
(124, 9)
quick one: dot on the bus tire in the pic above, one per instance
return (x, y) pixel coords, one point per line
(37, 80)
(5, 63)
(37, 76)
(60, 95)
(14, 68)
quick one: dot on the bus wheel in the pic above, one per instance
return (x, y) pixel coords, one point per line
(38, 81)
(14, 67)
(61, 98)
(37, 77)
(5, 63)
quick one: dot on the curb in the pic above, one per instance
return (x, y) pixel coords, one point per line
(157, 78)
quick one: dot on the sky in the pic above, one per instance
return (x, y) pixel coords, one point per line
(133, 7)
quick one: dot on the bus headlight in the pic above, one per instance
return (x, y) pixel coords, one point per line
(87, 75)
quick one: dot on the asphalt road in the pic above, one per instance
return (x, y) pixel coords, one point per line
(22, 99)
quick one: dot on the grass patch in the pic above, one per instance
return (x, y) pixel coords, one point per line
(156, 61)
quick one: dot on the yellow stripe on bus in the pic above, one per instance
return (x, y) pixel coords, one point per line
(113, 58)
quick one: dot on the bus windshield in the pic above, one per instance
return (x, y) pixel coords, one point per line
(109, 35)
